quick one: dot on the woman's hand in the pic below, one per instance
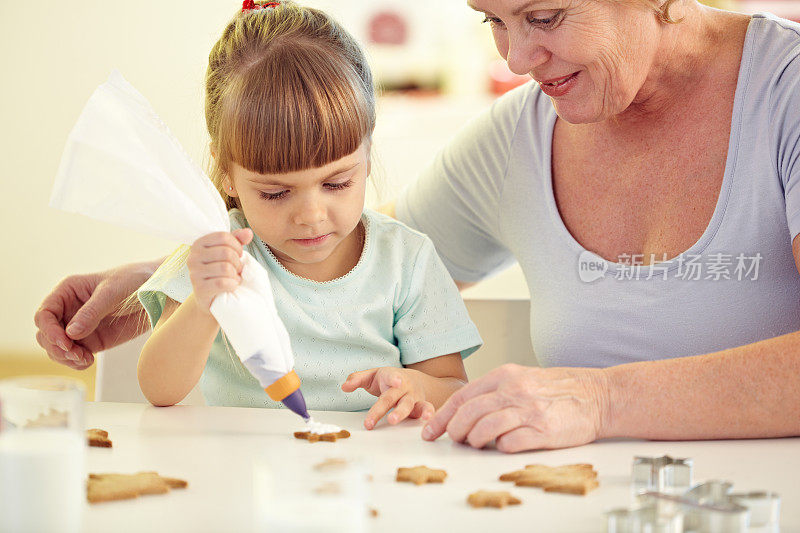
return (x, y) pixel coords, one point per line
(215, 264)
(525, 408)
(399, 388)
(81, 316)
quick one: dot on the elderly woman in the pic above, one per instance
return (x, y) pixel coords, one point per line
(646, 185)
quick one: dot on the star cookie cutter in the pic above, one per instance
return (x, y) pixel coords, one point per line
(708, 507)
(662, 474)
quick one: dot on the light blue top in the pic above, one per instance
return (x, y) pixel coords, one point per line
(487, 201)
(396, 307)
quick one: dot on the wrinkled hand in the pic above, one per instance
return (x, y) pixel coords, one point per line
(81, 316)
(215, 264)
(399, 388)
(525, 408)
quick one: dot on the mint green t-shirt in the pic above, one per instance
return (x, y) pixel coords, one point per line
(396, 307)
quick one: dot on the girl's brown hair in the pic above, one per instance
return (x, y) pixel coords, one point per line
(287, 89)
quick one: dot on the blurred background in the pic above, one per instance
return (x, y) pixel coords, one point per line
(434, 61)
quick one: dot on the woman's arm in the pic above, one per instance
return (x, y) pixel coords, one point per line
(751, 391)
(81, 316)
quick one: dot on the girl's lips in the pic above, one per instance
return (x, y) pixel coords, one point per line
(316, 241)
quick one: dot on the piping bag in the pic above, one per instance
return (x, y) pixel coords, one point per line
(121, 164)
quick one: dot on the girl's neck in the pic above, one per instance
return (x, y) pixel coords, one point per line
(341, 261)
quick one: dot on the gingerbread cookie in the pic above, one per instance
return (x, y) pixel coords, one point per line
(420, 475)
(330, 488)
(325, 437)
(98, 438)
(52, 419)
(108, 487)
(568, 479)
(332, 463)
(487, 498)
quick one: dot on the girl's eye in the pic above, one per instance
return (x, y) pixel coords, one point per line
(339, 186)
(272, 195)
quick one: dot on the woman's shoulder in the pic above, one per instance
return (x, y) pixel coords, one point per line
(772, 64)
(777, 28)
(526, 102)
(775, 43)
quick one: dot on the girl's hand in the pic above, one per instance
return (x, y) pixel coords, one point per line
(524, 408)
(215, 264)
(401, 388)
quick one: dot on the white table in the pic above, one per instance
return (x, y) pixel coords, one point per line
(214, 449)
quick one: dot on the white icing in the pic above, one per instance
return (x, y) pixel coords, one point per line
(319, 428)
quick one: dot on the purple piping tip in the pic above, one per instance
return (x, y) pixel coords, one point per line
(296, 403)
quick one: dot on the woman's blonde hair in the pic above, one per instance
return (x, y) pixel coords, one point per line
(661, 9)
(287, 89)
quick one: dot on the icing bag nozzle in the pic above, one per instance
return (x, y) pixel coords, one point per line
(286, 390)
(296, 403)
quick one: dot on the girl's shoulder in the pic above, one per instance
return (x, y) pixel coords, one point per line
(385, 232)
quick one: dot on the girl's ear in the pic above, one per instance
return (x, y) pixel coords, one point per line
(230, 188)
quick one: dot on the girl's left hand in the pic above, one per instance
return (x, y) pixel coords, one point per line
(401, 388)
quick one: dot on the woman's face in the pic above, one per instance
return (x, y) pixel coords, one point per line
(590, 56)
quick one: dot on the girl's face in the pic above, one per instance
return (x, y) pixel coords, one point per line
(305, 216)
(590, 56)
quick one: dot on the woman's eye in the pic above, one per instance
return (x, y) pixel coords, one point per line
(494, 21)
(339, 186)
(546, 22)
(272, 195)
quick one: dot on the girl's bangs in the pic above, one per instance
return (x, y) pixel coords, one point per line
(295, 109)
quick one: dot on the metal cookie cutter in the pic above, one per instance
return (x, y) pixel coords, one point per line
(653, 516)
(662, 474)
(709, 507)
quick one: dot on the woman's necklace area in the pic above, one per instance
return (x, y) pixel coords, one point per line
(362, 238)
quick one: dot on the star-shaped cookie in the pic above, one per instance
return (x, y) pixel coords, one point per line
(420, 475)
(324, 437)
(107, 487)
(332, 463)
(488, 498)
(569, 479)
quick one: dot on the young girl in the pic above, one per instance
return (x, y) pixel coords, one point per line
(290, 109)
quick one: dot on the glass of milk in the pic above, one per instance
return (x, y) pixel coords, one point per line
(42, 454)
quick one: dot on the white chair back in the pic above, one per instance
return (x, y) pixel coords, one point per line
(116, 379)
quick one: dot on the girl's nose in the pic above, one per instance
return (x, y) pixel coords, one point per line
(311, 212)
(525, 53)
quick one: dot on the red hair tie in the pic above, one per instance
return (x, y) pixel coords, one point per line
(250, 5)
